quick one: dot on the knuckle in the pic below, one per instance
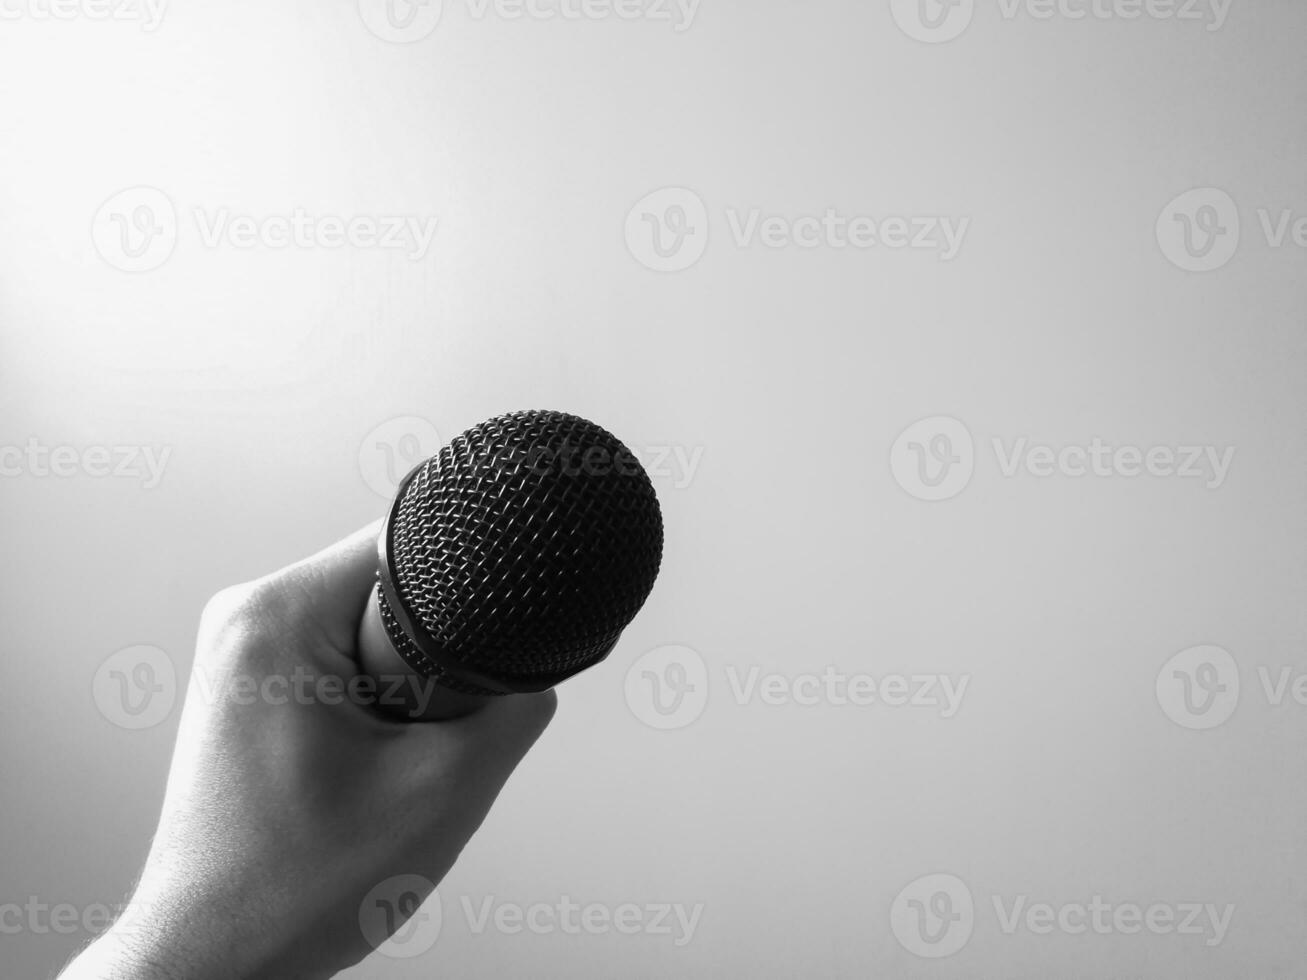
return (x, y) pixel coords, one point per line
(537, 712)
(229, 605)
(237, 613)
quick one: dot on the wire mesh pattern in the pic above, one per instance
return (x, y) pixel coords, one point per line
(523, 549)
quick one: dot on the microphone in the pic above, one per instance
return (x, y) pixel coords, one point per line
(510, 560)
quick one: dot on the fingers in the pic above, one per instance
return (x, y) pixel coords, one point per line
(519, 719)
(495, 737)
(331, 589)
(460, 766)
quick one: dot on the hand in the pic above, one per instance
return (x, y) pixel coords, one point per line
(284, 811)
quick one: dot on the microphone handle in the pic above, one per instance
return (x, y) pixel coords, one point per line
(402, 692)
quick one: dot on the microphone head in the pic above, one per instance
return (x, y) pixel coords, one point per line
(515, 557)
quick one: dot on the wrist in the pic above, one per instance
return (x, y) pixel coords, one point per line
(146, 946)
(140, 946)
(113, 957)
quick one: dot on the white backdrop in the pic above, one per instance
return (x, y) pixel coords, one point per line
(921, 683)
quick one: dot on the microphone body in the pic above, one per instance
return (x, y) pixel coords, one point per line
(403, 691)
(510, 561)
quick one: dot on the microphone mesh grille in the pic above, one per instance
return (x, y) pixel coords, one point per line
(524, 548)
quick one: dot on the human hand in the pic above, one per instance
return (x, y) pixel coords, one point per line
(283, 813)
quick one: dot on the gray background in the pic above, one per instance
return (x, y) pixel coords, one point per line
(792, 370)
